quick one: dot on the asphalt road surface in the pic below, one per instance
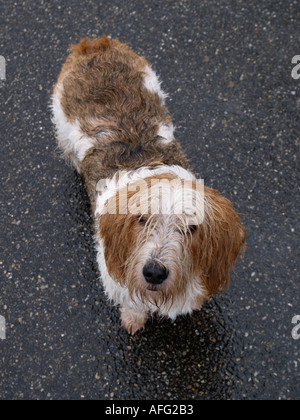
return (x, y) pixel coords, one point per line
(227, 65)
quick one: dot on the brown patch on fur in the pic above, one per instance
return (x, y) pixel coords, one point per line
(92, 46)
(103, 89)
(217, 243)
(198, 303)
(121, 233)
(107, 160)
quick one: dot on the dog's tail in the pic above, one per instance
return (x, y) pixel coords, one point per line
(92, 45)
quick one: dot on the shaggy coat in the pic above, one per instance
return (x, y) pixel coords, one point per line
(113, 126)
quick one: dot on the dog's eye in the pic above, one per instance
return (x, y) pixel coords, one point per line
(193, 228)
(142, 220)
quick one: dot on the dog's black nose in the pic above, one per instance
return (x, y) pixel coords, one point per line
(155, 274)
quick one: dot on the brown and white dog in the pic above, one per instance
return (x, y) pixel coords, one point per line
(164, 241)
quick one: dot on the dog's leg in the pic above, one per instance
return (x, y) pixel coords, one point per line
(133, 320)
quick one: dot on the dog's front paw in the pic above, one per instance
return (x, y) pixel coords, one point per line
(132, 320)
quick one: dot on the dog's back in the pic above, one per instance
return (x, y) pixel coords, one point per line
(109, 107)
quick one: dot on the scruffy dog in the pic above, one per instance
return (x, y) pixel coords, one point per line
(164, 241)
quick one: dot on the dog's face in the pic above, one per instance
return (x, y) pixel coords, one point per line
(164, 237)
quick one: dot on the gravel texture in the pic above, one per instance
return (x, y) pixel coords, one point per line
(227, 67)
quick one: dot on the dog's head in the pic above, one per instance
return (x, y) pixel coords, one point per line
(165, 236)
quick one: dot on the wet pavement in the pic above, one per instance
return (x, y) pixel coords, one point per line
(227, 67)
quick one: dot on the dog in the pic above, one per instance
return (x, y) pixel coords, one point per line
(164, 241)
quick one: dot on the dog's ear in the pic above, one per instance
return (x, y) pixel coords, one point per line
(119, 234)
(222, 238)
